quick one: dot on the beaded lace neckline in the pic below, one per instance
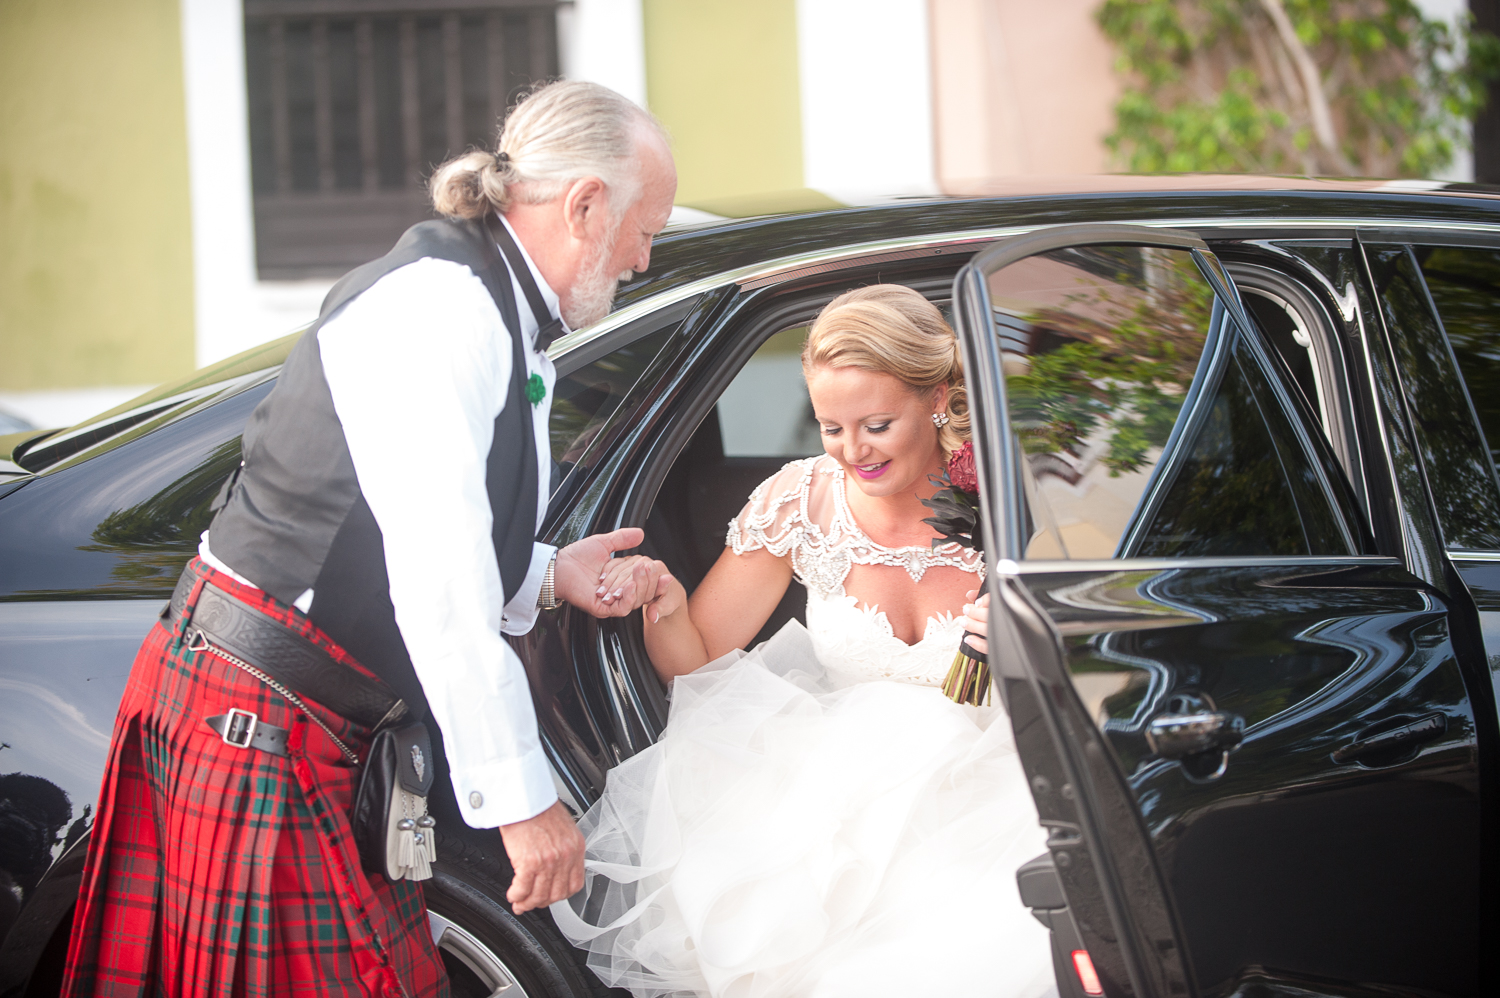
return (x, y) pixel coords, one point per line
(822, 558)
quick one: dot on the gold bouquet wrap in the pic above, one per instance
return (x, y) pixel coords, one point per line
(968, 680)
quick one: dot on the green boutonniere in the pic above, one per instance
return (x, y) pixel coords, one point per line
(536, 389)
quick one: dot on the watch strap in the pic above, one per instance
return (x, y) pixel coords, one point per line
(546, 597)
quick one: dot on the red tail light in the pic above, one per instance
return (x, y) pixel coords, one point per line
(1086, 975)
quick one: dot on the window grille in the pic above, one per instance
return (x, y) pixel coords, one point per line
(354, 102)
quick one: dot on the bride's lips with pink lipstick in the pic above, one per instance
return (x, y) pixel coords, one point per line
(869, 471)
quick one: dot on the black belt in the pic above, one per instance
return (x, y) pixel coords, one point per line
(283, 654)
(245, 729)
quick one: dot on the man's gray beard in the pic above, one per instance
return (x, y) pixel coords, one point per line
(588, 300)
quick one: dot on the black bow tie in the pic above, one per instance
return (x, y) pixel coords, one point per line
(546, 333)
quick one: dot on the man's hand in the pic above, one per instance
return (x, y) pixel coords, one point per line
(582, 567)
(546, 853)
(977, 620)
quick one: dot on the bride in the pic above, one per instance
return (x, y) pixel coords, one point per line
(818, 819)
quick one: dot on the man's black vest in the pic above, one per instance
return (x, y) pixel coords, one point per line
(295, 518)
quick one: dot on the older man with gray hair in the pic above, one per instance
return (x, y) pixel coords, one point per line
(263, 824)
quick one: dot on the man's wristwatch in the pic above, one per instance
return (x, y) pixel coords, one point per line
(546, 597)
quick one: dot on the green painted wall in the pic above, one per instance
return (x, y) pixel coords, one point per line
(96, 282)
(722, 76)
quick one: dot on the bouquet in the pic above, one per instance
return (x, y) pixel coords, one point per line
(955, 506)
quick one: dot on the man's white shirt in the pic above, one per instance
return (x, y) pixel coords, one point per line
(419, 368)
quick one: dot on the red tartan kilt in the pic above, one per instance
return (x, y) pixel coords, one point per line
(226, 871)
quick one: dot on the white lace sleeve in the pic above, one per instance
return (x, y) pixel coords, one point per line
(775, 518)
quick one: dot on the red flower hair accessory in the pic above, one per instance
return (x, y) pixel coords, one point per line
(961, 469)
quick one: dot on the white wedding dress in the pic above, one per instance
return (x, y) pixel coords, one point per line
(818, 819)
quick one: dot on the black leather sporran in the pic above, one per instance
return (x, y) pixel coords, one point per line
(392, 829)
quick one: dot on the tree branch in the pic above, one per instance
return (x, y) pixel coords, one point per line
(1312, 83)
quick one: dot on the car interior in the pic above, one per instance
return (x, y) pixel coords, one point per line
(738, 433)
(761, 420)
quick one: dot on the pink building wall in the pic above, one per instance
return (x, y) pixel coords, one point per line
(1020, 88)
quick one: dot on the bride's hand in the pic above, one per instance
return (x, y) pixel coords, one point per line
(977, 620)
(645, 581)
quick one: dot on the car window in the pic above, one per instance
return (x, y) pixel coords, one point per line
(586, 398)
(1460, 471)
(1465, 287)
(765, 411)
(593, 379)
(1100, 345)
(1243, 485)
(1101, 350)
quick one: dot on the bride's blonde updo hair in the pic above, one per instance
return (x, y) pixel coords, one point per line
(558, 133)
(891, 329)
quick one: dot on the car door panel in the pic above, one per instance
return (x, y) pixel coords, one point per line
(1267, 853)
(591, 712)
(1482, 578)
(1308, 657)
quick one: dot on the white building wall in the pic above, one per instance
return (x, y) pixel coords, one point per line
(866, 86)
(233, 310)
(1461, 169)
(603, 41)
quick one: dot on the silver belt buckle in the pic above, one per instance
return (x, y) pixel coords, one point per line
(239, 727)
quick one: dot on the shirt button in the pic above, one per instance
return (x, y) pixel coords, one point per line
(476, 800)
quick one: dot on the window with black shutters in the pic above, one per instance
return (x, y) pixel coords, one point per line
(354, 102)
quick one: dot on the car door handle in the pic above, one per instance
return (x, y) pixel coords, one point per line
(1409, 735)
(1176, 736)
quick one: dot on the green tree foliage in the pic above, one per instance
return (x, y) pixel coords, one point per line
(1322, 87)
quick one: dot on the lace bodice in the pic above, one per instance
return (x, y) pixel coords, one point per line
(802, 512)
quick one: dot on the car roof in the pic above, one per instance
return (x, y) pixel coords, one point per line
(686, 254)
(697, 251)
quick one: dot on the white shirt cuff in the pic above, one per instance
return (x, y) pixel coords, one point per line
(505, 791)
(520, 613)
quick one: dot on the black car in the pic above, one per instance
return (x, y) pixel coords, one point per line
(1244, 535)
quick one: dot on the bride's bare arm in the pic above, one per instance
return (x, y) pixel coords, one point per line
(731, 605)
(728, 608)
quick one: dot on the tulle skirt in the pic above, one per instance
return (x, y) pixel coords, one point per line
(794, 835)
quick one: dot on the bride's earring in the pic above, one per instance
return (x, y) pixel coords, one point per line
(940, 419)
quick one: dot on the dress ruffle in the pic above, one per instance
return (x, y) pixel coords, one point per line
(793, 834)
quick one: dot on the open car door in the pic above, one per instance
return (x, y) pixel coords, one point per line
(1246, 732)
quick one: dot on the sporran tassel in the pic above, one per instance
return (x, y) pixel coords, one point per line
(426, 851)
(406, 849)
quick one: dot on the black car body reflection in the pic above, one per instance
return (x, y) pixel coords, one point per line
(1319, 559)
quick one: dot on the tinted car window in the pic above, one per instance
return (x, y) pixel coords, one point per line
(595, 377)
(587, 397)
(1465, 287)
(1459, 469)
(765, 411)
(1101, 344)
(1102, 349)
(1244, 485)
